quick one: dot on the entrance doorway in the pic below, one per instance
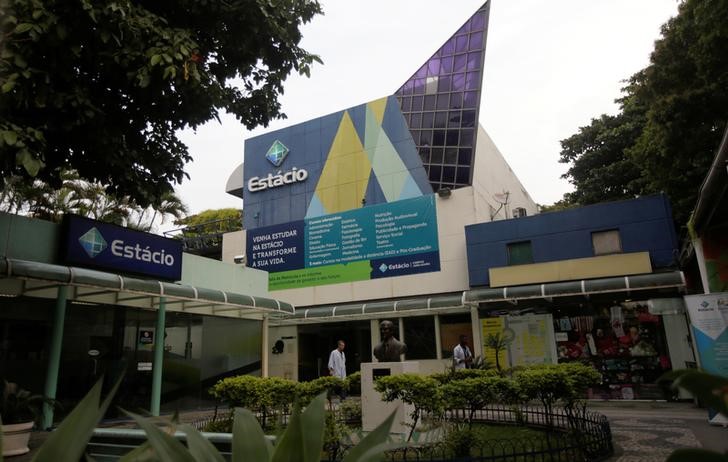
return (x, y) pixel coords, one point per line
(317, 341)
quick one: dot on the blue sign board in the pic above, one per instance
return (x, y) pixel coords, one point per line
(104, 246)
(383, 240)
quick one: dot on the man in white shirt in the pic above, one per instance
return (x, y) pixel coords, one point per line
(461, 355)
(337, 365)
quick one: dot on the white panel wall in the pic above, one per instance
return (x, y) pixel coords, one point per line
(464, 207)
(492, 175)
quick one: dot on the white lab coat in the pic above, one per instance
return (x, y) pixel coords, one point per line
(337, 363)
(459, 355)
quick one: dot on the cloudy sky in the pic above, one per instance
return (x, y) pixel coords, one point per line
(550, 67)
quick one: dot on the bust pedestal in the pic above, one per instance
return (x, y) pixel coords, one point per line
(373, 409)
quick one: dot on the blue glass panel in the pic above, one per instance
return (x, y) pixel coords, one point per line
(476, 41)
(468, 119)
(456, 101)
(474, 61)
(478, 21)
(471, 99)
(458, 82)
(465, 156)
(451, 156)
(446, 65)
(441, 120)
(433, 67)
(437, 154)
(463, 175)
(461, 43)
(459, 63)
(452, 138)
(448, 174)
(443, 85)
(443, 101)
(438, 139)
(427, 119)
(449, 83)
(416, 103)
(430, 103)
(466, 137)
(472, 80)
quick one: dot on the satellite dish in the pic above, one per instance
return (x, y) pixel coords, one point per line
(502, 198)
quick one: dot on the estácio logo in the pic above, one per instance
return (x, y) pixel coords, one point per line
(94, 243)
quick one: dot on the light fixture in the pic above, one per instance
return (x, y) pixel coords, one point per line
(444, 192)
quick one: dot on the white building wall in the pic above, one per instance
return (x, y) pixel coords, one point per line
(465, 206)
(492, 175)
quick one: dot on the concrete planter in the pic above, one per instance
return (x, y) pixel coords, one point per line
(15, 438)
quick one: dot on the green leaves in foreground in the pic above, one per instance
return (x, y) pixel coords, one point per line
(302, 441)
(68, 442)
(712, 391)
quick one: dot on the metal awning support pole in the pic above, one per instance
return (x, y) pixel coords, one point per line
(477, 330)
(54, 357)
(264, 347)
(158, 358)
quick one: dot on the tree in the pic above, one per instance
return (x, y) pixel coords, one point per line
(40, 200)
(685, 91)
(673, 114)
(103, 87)
(422, 393)
(600, 168)
(212, 221)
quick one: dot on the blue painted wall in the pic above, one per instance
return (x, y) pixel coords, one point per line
(645, 224)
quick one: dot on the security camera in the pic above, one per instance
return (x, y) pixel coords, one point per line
(239, 259)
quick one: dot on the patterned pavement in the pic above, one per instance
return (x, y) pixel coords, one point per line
(649, 432)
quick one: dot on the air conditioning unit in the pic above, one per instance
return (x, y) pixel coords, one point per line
(519, 212)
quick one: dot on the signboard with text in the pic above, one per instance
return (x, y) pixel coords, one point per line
(385, 240)
(110, 247)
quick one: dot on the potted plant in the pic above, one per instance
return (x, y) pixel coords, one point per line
(19, 409)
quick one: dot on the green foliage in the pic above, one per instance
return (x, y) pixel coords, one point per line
(88, 199)
(212, 221)
(476, 393)
(306, 391)
(104, 87)
(671, 121)
(18, 405)
(422, 392)
(453, 374)
(353, 383)
(350, 411)
(302, 440)
(497, 342)
(266, 395)
(710, 390)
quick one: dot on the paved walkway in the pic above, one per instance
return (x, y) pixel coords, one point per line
(647, 432)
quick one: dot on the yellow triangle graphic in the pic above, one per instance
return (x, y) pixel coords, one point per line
(344, 178)
(377, 106)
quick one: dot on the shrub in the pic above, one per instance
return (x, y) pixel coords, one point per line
(265, 395)
(476, 393)
(350, 411)
(306, 391)
(353, 383)
(421, 392)
(462, 374)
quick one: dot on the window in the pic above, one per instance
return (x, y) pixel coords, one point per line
(452, 326)
(520, 253)
(606, 242)
(419, 335)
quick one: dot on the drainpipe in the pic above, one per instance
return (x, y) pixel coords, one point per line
(158, 364)
(54, 357)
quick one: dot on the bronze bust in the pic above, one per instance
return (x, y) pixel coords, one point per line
(389, 349)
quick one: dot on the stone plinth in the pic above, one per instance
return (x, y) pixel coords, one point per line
(373, 409)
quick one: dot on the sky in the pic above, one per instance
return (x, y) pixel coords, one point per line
(550, 67)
